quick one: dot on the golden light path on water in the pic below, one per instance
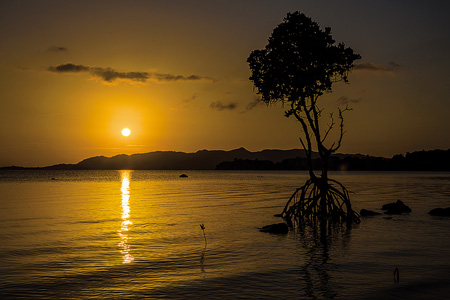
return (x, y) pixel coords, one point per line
(126, 223)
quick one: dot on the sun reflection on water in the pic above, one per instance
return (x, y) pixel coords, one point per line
(125, 176)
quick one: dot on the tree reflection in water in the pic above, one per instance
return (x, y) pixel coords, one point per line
(321, 242)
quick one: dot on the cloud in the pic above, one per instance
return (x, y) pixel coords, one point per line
(391, 67)
(110, 75)
(344, 100)
(189, 100)
(220, 106)
(173, 77)
(69, 68)
(57, 49)
(257, 101)
(394, 64)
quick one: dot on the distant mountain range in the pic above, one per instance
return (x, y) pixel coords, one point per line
(242, 159)
(434, 160)
(171, 160)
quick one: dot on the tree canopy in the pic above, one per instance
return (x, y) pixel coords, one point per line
(300, 61)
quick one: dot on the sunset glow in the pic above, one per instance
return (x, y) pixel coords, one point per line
(182, 85)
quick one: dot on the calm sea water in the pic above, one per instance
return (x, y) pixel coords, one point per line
(136, 234)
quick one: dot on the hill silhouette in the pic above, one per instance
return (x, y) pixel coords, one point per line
(270, 159)
(434, 160)
(171, 160)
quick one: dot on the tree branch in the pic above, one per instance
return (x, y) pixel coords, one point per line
(330, 127)
(341, 125)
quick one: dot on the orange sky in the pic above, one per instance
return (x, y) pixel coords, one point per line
(73, 74)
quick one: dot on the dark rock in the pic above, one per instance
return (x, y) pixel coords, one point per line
(368, 213)
(442, 212)
(396, 208)
(279, 228)
(183, 175)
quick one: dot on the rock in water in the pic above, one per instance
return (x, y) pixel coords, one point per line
(183, 175)
(396, 208)
(367, 213)
(442, 212)
(279, 228)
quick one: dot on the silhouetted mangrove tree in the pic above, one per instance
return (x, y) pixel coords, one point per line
(299, 64)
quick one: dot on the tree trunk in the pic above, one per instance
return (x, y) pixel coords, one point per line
(324, 185)
(323, 199)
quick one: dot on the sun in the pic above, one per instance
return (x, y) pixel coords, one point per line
(126, 132)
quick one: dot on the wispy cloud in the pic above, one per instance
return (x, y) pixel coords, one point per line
(172, 77)
(110, 75)
(395, 65)
(56, 49)
(391, 67)
(220, 106)
(69, 68)
(344, 100)
(189, 100)
(255, 103)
